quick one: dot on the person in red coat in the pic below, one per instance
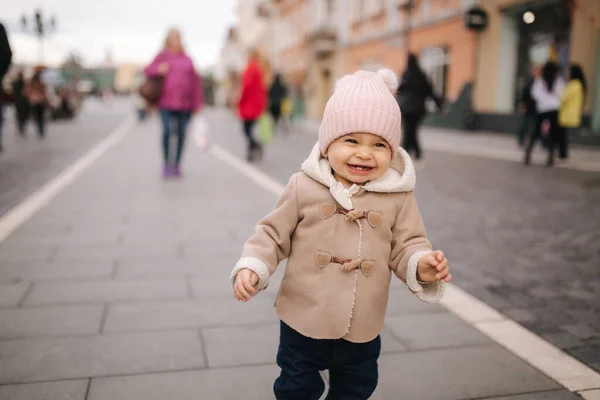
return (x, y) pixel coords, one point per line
(252, 102)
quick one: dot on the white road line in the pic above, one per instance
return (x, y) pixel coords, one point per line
(590, 394)
(39, 199)
(549, 359)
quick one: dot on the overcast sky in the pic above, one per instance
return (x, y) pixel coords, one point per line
(133, 30)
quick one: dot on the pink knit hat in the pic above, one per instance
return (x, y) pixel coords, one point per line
(363, 102)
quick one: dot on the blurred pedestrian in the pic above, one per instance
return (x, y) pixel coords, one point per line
(277, 93)
(36, 95)
(571, 108)
(547, 90)
(252, 102)
(414, 90)
(181, 95)
(20, 100)
(5, 60)
(341, 252)
(527, 107)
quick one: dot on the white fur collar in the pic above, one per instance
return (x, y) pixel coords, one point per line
(399, 178)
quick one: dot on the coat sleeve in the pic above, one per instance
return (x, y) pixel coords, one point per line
(244, 87)
(409, 244)
(537, 89)
(271, 242)
(152, 69)
(5, 52)
(568, 94)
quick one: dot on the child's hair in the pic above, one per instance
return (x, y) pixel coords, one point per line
(363, 102)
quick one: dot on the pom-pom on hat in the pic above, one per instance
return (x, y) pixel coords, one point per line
(363, 102)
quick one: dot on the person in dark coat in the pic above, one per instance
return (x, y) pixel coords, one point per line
(277, 93)
(527, 107)
(5, 60)
(412, 93)
(21, 104)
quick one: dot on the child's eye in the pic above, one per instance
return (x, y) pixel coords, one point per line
(382, 145)
(353, 141)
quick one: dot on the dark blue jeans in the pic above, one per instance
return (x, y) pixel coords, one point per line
(178, 120)
(352, 367)
(527, 120)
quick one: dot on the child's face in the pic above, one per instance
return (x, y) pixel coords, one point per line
(359, 158)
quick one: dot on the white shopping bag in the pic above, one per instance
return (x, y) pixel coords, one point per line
(200, 132)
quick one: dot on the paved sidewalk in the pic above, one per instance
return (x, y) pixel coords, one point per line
(27, 162)
(118, 290)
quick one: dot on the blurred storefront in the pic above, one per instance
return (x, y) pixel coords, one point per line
(433, 30)
(477, 53)
(521, 34)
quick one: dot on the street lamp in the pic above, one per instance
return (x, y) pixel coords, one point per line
(40, 27)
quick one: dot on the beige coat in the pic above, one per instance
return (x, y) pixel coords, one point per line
(342, 245)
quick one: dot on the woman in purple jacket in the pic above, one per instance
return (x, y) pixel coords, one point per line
(180, 97)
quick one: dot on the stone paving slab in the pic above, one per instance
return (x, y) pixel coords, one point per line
(202, 286)
(452, 374)
(11, 294)
(23, 250)
(38, 360)
(550, 395)
(435, 331)
(48, 293)
(202, 270)
(78, 251)
(401, 301)
(65, 390)
(71, 270)
(214, 384)
(189, 314)
(26, 323)
(239, 346)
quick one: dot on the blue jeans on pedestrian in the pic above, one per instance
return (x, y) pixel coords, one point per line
(527, 120)
(352, 367)
(174, 121)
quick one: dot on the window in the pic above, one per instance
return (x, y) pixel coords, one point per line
(435, 61)
(361, 9)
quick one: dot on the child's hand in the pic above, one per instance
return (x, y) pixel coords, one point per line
(243, 288)
(433, 267)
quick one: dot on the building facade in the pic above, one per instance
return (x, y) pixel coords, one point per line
(521, 34)
(480, 67)
(325, 39)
